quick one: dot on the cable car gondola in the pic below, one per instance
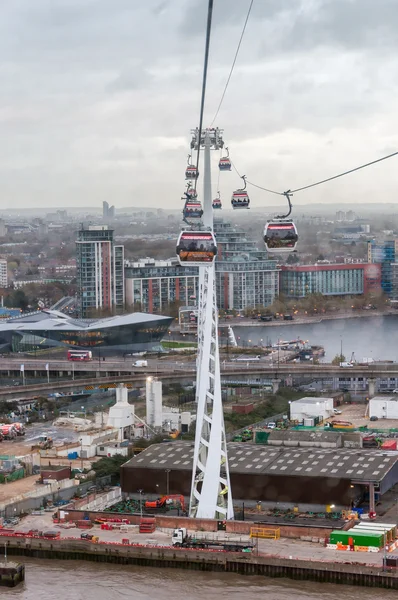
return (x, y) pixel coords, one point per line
(240, 198)
(195, 248)
(217, 202)
(280, 235)
(191, 172)
(192, 210)
(191, 193)
(224, 162)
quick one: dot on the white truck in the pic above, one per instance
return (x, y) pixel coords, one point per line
(181, 539)
(140, 363)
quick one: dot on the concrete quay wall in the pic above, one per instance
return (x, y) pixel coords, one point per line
(203, 560)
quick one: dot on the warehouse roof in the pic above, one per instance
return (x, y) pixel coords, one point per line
(310, 400)
(340, 463)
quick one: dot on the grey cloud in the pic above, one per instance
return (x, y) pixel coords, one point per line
(94, 92)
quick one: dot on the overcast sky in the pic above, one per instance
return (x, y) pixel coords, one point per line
(97, 98)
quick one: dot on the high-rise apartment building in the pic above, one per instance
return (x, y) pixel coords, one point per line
(384, 253)
(3, 273)
(245, 277)
(108, 212)
(152, 285)
(100, 271)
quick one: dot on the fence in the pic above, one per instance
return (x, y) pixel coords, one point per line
(265, 534)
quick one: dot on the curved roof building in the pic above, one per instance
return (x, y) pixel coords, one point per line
(135, 332)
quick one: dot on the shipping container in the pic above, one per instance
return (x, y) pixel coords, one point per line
(376, 539)
(383, 530)
(389, 445)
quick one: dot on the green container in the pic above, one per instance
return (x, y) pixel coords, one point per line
(261, 437)
(359, 538)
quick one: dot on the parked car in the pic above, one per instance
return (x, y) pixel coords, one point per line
(337, 412)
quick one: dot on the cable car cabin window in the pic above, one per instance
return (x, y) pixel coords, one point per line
(196, 248)
(279, 236)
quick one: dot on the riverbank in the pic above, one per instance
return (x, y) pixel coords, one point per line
(349, 572)
(307, 320)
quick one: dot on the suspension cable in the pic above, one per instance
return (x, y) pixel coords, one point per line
(306, 187)
(373, 162)
(204, 81)
(233, 63)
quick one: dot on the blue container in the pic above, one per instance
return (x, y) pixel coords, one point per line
(72, 455)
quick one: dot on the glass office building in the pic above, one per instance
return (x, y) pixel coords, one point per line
(46, 329)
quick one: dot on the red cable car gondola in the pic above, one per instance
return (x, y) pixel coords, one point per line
(191, 172)
(240, 198)
(192, 210)
(280, 236)
(224, 162)
(195, 248)
(217, 202)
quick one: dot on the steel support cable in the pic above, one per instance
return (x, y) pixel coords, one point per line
(233, 63)
(373, 162)
(306, 187)
(204, 81)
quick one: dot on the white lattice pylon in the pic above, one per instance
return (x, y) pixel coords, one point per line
(211, 496)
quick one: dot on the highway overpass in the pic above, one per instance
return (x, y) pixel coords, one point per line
(117, 368)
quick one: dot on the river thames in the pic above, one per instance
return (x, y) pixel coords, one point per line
(74, 580)
(367, 337)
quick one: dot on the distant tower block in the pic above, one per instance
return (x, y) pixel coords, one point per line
(153, 402)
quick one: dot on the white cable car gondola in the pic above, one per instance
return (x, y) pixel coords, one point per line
(191, 172)
(217, 204)
(192, 210)
(280, 236)
(240, 198)
(224, 162)
(196, 248)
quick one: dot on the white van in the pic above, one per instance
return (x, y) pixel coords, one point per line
(140, 363)
(346, 365)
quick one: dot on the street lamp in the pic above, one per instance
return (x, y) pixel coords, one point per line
(81, 454)
(167, 471)
(140, 493)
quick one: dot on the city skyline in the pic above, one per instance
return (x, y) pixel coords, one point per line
(91, 101)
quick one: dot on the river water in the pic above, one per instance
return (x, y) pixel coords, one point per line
(367, 337)
(73, 580)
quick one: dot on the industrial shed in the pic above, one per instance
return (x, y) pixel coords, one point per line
(318, 476)
(383, 407)
(311, 407)
(314, 439)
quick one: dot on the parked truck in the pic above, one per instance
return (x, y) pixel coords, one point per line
(181, 539)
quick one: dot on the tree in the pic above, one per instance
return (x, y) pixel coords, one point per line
(109, 465)
(339, 358)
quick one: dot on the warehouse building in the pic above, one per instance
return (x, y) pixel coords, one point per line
(317, 476)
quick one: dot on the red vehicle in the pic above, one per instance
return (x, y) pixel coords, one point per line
(80, 355)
